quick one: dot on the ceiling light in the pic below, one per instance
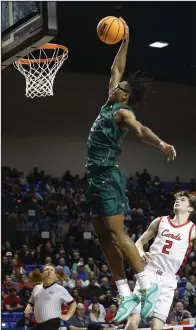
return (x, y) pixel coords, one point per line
(159, 44)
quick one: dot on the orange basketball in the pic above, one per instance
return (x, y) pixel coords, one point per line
(110, 30)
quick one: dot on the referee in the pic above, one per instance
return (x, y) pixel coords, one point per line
(46, 301)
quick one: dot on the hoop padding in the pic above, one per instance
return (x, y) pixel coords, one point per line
(40, 72)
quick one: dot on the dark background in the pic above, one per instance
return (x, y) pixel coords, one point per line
(81, 84)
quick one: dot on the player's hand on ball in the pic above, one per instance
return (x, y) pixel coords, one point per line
(169, 150)
(28, 310)
(126, 34)
(147, 257)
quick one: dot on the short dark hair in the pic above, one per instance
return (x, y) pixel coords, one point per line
(191, 198)
(138, 84)
(51, 265)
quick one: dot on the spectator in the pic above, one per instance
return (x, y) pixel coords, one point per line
(6, 268)
(25, 256)
(90, 276)
(16, 274)
(8, 285)
(25, 322)
(72, 281)
(193, 308)
(96, 315)
(81, 273)
(25, 297)
(66, 268)
(92, 290)
(95, 300)
(75, 264)
(105, 273)
(35, 276)
(107, 299)
(80, 288)
(91, 267)
(190, 290)
(60, 274)
(12, 302)
(105, 286)
(110, 315)
(37, 257)
(179, 313)
(79, 320)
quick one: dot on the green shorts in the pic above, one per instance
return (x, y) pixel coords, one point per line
(106, 193)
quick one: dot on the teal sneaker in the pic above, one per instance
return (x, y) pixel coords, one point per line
(149, 300)
(126, 306)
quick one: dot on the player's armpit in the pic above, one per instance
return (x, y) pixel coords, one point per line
(149, 233)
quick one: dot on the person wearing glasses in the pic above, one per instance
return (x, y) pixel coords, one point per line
(105, 195)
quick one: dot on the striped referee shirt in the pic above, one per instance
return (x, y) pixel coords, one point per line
(47, 301)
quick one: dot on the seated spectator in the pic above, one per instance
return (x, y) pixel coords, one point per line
(25, 322)
(79, 319)
(12, 302)
(6, 268)
(105, 273)
(9, 284)
(25, 297)
(190, 291)
(90, 276)
(18, 262)
(16, 274)
(60, 274)
(35, 276)
(66, 268)
(91, 267)
(37, 257)
(80, 271)
(179, 313)
(21, 281)
(96, 315)
(92, 290)
(80, 289)
(72, 281)
(48, 260)
(176, 296)
(25, 256)
(107, 300)
(104, 285)
(75, 264)
(111, 313)
(95, 300)
(192, 308)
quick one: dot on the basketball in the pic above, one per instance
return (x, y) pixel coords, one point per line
(110, 30)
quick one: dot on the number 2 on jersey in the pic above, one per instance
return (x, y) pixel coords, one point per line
(167, 246)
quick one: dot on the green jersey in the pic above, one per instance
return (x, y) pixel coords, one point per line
(105, 139)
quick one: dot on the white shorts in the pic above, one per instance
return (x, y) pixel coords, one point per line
(168, 284)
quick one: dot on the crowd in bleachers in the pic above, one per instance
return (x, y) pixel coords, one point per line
(32, 209)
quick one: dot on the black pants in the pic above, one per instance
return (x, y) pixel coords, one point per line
(53, 324)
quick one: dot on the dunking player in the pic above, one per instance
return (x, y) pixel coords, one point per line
(173, 242)
(106, 193)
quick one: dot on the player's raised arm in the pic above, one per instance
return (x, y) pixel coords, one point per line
(118, 67)
(144, 133)
(147, 236)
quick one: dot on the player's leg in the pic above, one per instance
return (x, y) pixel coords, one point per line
(133, 322)
(161, 311)
(157, 324)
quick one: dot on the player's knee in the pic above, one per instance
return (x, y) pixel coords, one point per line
(117, 239)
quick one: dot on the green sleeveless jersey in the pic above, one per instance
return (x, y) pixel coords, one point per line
(105, 139)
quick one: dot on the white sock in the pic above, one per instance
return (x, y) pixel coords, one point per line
(143, 280)
(123, 288)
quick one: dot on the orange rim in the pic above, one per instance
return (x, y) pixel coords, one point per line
(42, 60)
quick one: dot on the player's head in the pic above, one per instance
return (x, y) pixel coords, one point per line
(184, 203)
(132, 91)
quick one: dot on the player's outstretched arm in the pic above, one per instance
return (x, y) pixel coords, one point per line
(144, 133)
(118, 67)
(147, 236)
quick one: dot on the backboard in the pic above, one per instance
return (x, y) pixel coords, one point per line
(25, 26)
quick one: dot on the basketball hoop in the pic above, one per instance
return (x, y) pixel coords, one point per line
(41, 70)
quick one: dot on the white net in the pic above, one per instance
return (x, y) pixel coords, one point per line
(40, 71)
